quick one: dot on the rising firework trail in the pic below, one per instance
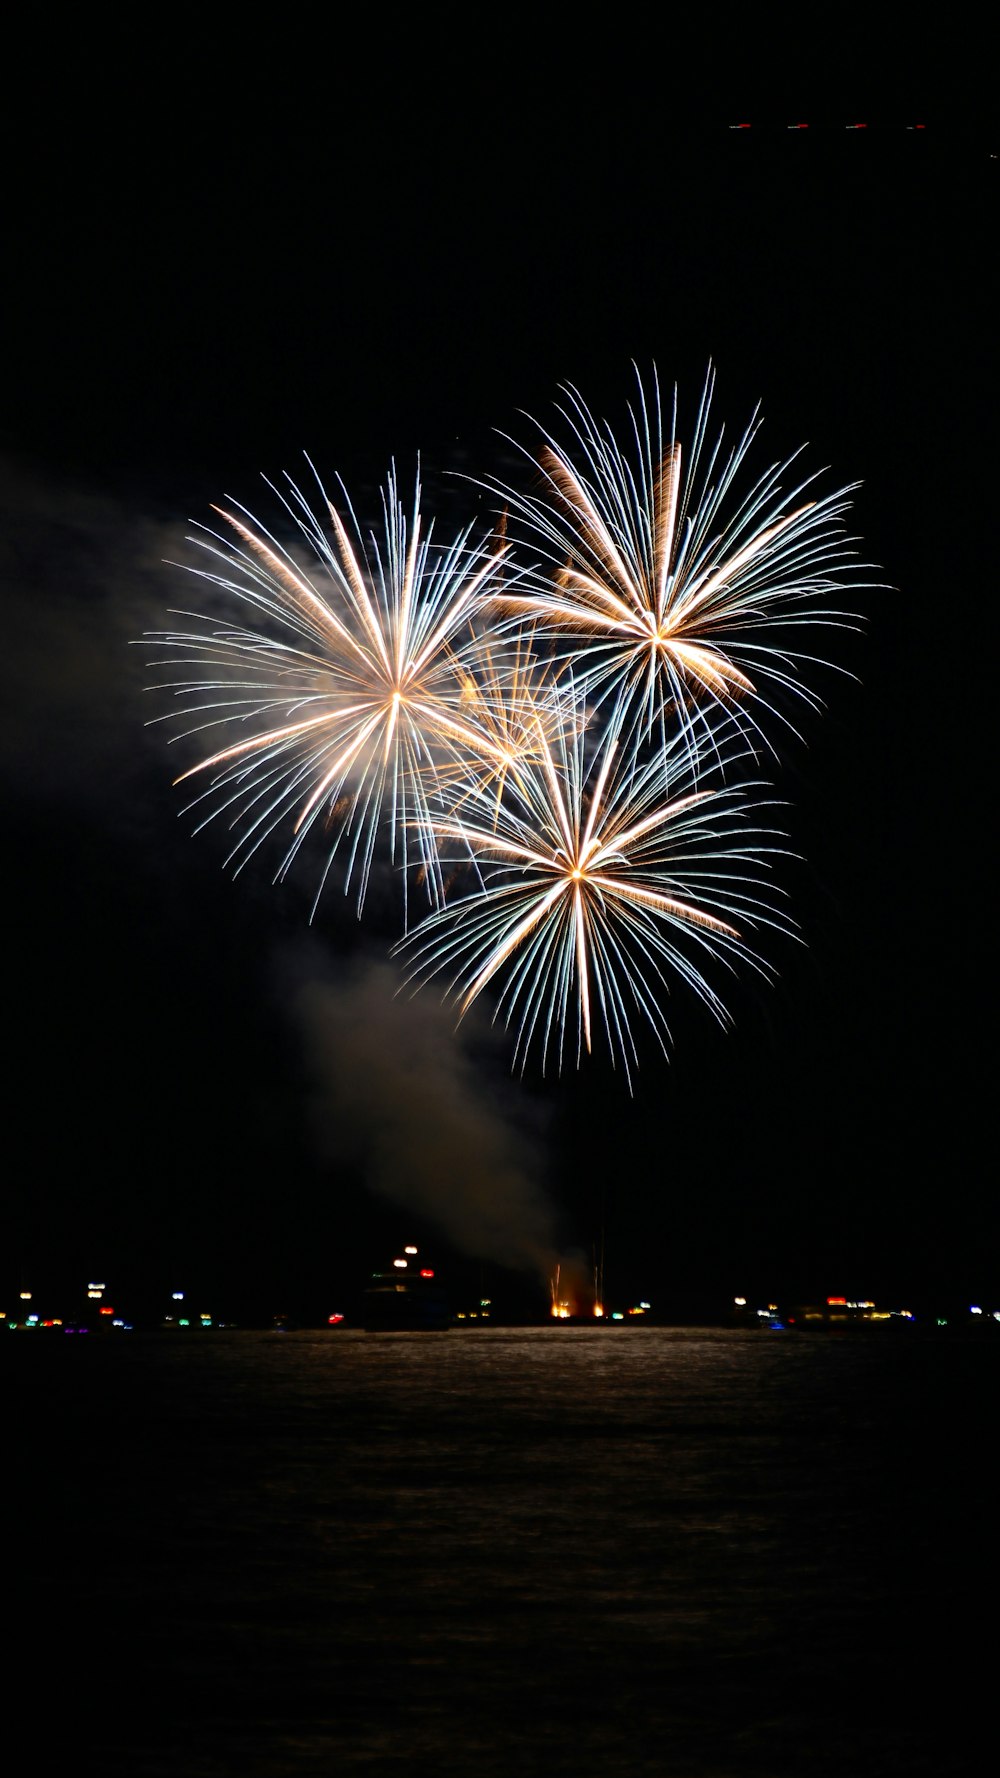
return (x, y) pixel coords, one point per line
(668, 587)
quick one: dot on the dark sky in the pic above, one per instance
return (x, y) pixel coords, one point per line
(224, 269)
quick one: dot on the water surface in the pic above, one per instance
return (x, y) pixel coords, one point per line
(655, 1551)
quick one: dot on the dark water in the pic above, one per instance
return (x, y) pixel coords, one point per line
(691, 1553)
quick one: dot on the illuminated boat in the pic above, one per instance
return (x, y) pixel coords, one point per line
(841, 1314)
(406, 1299)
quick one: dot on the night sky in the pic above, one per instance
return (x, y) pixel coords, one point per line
(218, 274)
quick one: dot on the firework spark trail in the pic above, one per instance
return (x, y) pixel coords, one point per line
(659, 582)
(601, 878)
(350, 680)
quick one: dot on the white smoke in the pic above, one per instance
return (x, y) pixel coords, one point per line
(435, 1128)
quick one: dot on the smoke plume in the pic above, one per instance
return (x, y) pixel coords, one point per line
(427, 1112)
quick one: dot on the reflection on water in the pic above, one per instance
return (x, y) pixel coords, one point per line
(656, 1551)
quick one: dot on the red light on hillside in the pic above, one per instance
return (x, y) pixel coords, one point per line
(333, 1319)
(105, 1311)
(836, 1302)
(425, 1272)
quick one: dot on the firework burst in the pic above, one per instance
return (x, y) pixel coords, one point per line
(661, 577)
(345, 697)
(513, 702)
(563, 732)
(601, 878)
